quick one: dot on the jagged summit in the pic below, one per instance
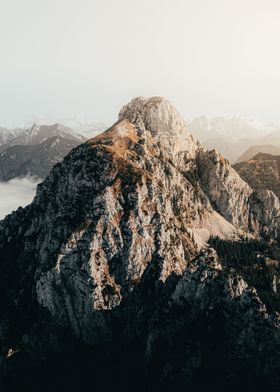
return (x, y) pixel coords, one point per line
(153, 122)
(160, 117)
(158, 114)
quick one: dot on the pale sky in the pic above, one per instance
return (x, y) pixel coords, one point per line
(86, 58)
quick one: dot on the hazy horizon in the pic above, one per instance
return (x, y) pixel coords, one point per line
(83, 126)
(60, 60)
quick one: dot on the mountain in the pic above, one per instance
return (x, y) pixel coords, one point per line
(80, 126)
(34, 160)
(231, 129)
(7, 135)
(261, 172)
(107, 281)
(256, 149)
(232, 137)
(229, 149)
(34, 151)
(40, 133)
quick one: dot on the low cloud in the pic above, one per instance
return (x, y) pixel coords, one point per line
(15, 193)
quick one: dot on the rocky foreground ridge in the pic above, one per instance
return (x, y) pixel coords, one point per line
(102, 279)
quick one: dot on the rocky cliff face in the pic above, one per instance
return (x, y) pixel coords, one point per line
(252, 210)
(103, 268)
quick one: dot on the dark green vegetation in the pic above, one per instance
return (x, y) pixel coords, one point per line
(258, 262)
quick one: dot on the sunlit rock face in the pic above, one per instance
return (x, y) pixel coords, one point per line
(161, 118)
(108, 254)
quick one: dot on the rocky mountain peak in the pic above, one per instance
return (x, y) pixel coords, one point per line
(160, 117)
(158, 114)
(108, 254)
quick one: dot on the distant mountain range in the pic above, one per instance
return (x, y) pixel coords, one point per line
(237, 139)
(258, 149)
(34, 151)
(40, 133)
(86, 128)
(231, 150)
(34, 160)
(269, 144)
(233, 137)
(232, 129)
(7, 135)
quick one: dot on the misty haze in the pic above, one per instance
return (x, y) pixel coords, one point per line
(15, 193)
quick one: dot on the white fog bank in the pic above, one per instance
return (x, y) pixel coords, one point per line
(15, 193)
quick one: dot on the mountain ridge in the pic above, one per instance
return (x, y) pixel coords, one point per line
(258, 149)
(233, 129)
(34, 160)
(105, 266)
(37, 134)
(261, 172)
